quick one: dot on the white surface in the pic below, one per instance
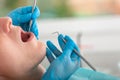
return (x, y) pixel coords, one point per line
(102, 33)
(110, 23)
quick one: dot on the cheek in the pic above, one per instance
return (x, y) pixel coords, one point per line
(11, 62)
(18, 58)
(12, 57)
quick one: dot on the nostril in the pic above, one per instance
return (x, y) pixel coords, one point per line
(6, 24)
(10, 25)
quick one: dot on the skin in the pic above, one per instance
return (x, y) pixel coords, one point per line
(19, 60)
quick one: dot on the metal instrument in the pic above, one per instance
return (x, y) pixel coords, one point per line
(78, 53)
(34, 5)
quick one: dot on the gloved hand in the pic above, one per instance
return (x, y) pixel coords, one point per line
(65, 63)
(85, 74)
(22, 16)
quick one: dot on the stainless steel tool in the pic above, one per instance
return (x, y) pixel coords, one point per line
(78, 53)
(34, 5)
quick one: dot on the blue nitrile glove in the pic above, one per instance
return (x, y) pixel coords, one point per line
(63, 64)
(85, 74)
(22, 16)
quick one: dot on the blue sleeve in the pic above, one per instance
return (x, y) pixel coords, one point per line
(85, 74)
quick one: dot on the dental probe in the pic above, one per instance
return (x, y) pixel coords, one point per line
(78, 53)
(35, 1)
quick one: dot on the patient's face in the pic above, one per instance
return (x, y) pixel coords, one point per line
(20, 52)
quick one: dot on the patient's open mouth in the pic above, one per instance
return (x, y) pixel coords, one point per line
(26, 36)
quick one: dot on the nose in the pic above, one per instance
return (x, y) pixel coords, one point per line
(5, 24)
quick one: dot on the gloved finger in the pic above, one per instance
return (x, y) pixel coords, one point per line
(68, 49)
(61, 42)
(24, 18)
(23, 26)
(35, 29)
(25, 10)
(53, 48)
(73, 55)
(49, 55)
(36, 13)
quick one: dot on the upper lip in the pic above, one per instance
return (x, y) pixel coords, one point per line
(26, 36)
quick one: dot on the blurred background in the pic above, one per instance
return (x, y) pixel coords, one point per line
(93, 24)
(66, 8)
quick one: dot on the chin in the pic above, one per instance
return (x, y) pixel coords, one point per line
(41, 51)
